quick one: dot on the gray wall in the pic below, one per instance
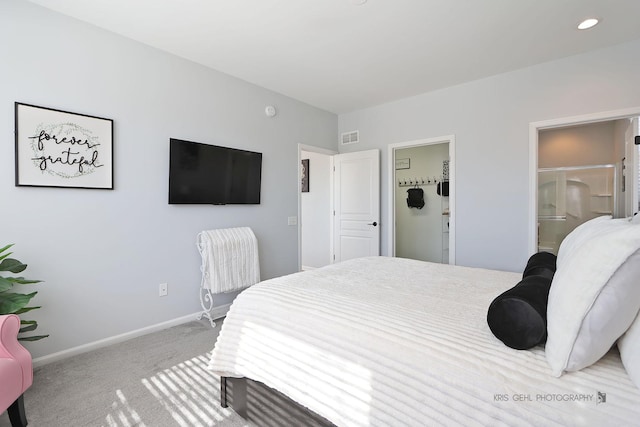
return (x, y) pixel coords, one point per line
(490, 119)
(102, 254)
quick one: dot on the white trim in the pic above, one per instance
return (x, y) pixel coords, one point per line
(631, 152)
(216, 313)
(219, 311)
(313, 149)
(534, 128)
(533, 187)
(332, 207)
(391, 233)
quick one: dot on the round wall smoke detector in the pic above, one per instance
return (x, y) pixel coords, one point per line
(270, 111)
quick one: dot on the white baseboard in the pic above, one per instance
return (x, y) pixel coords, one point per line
(307, 268)
(216, 313)
(219, 311)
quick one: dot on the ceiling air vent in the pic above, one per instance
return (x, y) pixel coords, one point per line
(350, 137)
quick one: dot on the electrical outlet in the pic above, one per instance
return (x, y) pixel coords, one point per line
(292, 220)
(164, 289)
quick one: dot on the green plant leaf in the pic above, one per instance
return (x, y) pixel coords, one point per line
(5, 284)
(25, 309)
(14, 303)
(34, 338)
(12, 265)
(22, 280)
(5, 255)
(28, 328)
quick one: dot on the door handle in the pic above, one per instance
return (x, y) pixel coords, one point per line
(373, 223)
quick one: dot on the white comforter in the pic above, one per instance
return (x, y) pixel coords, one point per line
(394, 342)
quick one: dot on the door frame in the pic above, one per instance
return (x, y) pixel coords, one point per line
(391, 197)
(319, 150)
(535, 128)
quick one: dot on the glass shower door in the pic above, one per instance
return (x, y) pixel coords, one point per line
(570, 196)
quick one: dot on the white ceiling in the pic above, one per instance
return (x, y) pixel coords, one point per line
(341, 57)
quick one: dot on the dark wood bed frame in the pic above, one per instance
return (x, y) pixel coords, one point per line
(258, 403)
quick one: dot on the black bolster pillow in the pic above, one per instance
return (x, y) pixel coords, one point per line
(541, 264)
(518, 317)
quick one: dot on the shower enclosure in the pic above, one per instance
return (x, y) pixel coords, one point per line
(570, 196)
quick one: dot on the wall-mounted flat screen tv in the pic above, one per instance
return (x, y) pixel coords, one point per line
(209, 174)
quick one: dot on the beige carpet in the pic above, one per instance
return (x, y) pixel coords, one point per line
(159, 379)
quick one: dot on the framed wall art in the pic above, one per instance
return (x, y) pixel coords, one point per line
(304, 184)
(57, 148)
(403, 164)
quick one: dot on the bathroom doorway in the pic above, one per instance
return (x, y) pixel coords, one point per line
(584, 168)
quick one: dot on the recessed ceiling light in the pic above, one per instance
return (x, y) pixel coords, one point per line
(587, 23)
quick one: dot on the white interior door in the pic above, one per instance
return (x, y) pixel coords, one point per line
(356, 205)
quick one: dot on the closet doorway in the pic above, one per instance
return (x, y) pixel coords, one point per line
(581, 168)
(422, 199)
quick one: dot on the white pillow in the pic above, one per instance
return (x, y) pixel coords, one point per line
(579, 235)
(629, 345)
(635, 219)
(593, 297)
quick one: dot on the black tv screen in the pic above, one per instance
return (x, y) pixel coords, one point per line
(209, 174)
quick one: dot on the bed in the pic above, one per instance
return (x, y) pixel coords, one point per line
(382, 341)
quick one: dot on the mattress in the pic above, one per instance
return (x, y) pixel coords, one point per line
(383, 341)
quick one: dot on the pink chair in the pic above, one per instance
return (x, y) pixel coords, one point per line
(16, 371)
